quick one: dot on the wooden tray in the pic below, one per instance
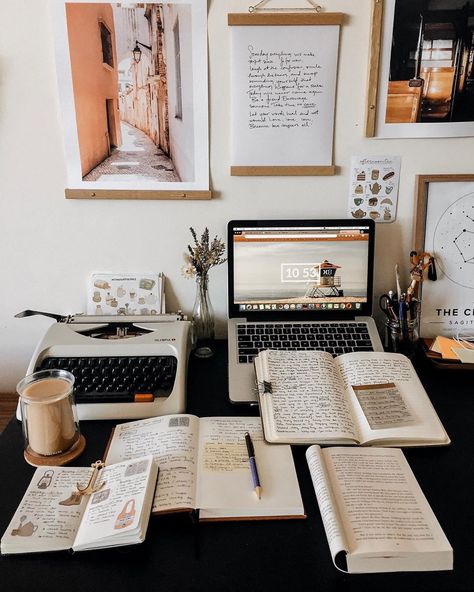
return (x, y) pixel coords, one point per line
(437, 360)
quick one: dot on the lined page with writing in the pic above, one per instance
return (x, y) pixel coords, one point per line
(307, 402)
(119, 512)
(225, 488)
(48, 516)
(172, 440)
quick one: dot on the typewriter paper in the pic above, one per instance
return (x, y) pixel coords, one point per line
(126, 294)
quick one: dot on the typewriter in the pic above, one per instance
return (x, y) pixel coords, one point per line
(125, 367)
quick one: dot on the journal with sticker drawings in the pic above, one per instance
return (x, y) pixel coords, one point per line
(83, 508)
(359, 398)
(204, 466)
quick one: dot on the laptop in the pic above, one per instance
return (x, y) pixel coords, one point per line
(297, 284)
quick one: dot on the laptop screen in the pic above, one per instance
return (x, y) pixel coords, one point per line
(307, 269)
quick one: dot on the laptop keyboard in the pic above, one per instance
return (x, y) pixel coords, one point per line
(117, 379)
(335, 338)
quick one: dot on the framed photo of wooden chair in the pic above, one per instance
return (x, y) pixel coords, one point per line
(421, 70)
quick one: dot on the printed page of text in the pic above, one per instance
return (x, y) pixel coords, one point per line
(382, 506)
(330, 515)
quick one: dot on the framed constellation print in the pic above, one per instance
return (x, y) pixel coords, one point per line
(444, 226)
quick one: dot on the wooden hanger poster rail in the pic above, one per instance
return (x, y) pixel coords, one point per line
(284, 74)
(150, 194)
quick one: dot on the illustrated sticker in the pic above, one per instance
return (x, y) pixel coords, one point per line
(126, 294)
(126, 516)
(136, 468)
(73, 500)
(25, 529)
(373, 191)
(46, 479)
(100, 496)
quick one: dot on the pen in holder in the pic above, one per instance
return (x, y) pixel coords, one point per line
(401, 328)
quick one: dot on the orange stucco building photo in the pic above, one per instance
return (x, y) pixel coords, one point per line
(131, 68)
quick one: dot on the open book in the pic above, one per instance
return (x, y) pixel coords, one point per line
(204, 465)
(53, 516)
(374, 513)
(369, 398)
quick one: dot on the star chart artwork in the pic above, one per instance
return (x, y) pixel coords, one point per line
(448, 303)
(453, 239)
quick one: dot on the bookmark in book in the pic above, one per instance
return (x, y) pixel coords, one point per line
(264, 387)
(91, 487)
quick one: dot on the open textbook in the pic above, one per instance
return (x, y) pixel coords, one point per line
(53, 516)
(368, 398)
(204, 465)
(374, 513)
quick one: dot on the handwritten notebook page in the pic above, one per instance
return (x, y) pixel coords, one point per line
(307, 397)
(225, 487)
(283, 94)
(172, 440)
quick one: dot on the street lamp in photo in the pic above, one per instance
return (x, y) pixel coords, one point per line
(137, 52)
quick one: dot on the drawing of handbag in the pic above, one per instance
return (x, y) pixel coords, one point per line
(126, 516)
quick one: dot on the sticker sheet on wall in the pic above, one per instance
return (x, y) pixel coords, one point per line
(126, 294)
(373, 191)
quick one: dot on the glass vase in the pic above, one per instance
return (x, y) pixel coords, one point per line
(203, 319)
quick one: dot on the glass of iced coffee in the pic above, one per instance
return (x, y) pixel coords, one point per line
(49, 418)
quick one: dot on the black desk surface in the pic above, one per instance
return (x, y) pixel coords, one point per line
(275, 555)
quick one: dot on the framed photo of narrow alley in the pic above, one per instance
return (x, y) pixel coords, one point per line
(444, 227)
(133, 94)
(421, 70)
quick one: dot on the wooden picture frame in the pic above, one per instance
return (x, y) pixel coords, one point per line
(414, 88)
(374, 67)
(266, 155)
(444, 227)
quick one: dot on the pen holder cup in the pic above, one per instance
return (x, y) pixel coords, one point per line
(402, 337)
(49, 418)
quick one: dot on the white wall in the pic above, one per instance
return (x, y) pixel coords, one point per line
(50, 245)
